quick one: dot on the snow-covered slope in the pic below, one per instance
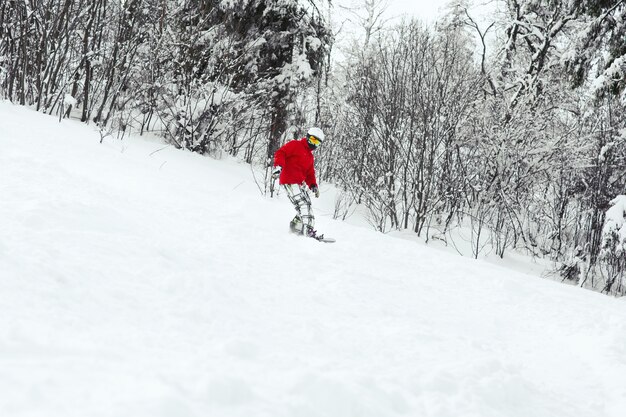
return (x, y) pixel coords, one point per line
(135, 283)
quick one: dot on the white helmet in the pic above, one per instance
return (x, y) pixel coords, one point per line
(315, 136)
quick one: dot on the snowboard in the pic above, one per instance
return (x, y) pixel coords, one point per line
(319, 239)
(293, 228)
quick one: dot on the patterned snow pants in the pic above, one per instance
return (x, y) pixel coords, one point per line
(304, 221)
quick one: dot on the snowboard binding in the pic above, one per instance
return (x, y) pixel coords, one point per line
(297, 227)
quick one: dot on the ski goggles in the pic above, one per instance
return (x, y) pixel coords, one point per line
(314, 141)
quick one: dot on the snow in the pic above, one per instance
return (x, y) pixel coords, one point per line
(142, 283)
(615, 72)
(615, 222)
(69, 100)
(606, 148)
(313, 42)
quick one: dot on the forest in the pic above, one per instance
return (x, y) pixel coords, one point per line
(512, 129)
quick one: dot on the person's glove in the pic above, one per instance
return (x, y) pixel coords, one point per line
(276, 172)
(316, 191)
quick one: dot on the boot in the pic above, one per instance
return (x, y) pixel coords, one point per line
(296, 226)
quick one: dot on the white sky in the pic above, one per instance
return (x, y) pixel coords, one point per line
(482, 11)
(426, 10)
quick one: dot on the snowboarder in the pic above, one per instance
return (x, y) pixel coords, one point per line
(294, 165)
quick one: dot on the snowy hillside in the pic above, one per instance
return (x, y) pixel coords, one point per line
(163, 284)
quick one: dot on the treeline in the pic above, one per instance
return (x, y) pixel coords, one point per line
(517, 143)
(210, 75)
(510, 133)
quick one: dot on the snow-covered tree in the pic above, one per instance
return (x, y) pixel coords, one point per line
(613, 254)
(599, 50)
(406, 94)
(203, 68)
(277, 47)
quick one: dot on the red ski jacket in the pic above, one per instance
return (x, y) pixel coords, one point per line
(296, 159)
